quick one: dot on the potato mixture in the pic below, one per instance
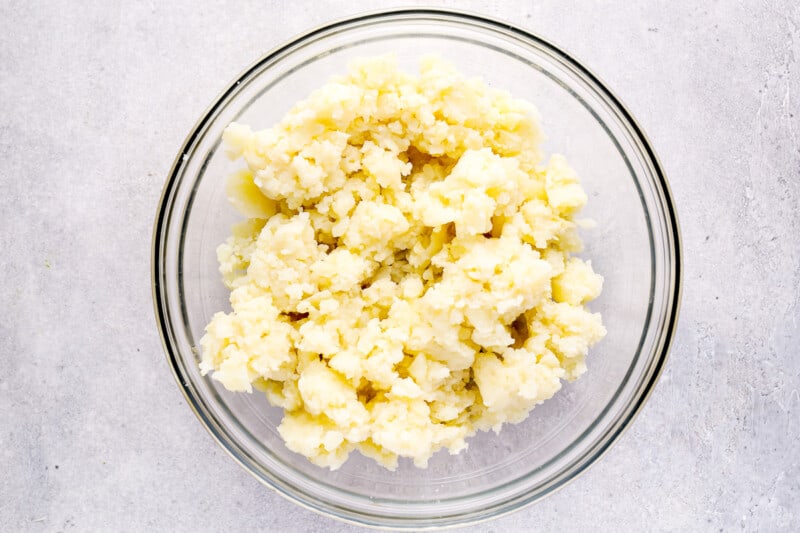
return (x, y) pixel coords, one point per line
(404, 278)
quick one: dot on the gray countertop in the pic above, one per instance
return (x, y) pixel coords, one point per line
(95, 102)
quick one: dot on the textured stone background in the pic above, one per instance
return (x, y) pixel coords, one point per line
(95, 101)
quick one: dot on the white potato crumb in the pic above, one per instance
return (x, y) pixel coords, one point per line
(404, 278)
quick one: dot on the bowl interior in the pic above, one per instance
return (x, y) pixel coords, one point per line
(631, 246)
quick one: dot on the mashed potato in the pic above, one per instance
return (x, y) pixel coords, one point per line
(404, 277)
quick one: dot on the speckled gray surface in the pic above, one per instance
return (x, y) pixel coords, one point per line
(95, 102)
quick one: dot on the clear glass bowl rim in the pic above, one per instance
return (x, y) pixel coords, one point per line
(581, 464)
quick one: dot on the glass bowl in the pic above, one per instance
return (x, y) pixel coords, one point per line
(635, 246)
